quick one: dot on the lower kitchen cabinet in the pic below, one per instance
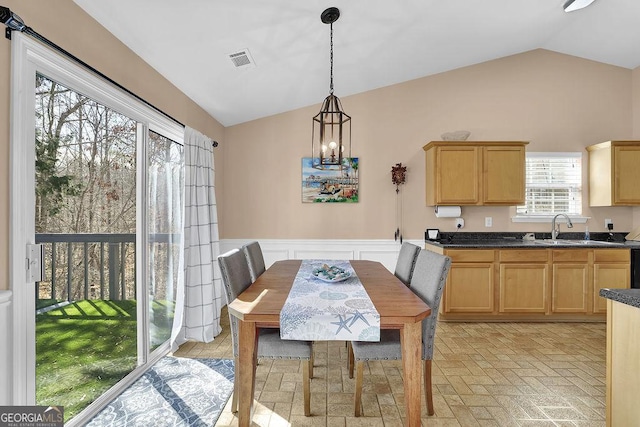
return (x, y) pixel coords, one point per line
(570, 285)
(523, 281)
(469, 287)
(623, 364)
(530, 284)
(611, 269)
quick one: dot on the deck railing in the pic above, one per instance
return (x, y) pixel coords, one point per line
(103, 266)
(75, 266)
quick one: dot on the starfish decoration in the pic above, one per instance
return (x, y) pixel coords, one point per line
(357, 315)
(342, 324)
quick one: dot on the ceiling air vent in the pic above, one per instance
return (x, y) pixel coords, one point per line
(242, 59)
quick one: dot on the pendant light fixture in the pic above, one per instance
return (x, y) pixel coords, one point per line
(331, 134)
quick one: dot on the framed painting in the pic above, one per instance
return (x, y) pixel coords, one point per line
(330, 184)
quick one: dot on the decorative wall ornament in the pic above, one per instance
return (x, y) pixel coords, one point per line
(330, 185)
(398, 177)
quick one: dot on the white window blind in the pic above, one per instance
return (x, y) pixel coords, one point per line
(553, 184)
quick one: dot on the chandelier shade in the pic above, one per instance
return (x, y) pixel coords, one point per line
(331, 133)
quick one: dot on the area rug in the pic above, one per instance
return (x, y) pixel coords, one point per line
(174, 392)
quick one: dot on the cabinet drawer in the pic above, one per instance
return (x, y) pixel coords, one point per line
(570, 255)
(471, 255)
(524, 255)
(611, 255)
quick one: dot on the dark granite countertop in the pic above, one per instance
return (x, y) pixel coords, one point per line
(626, 296)
(542, 241)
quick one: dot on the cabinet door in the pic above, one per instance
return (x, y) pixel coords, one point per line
(626, 172)
(457, 175)
(523, 288)
(504, 175)
(569, 290)
(613, 276)
(469, 288)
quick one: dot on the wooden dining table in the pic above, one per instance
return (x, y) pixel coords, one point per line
(399, 308)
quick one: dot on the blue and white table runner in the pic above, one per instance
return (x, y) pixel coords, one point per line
(316, 310)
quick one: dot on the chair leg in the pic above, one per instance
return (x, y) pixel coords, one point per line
(350, 359)
(306, 386)
(357, 400)
(427, 387)
(234, 397)
(311, 364)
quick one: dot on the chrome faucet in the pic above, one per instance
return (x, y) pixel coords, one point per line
(555, 229)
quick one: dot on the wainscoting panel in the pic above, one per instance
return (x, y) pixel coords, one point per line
(5, 347)
(323, 254)
(384, 251)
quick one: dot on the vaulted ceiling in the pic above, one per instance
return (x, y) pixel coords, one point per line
(376, 43)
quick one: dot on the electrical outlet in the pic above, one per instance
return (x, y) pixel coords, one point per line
(459, 223)
(488, 221)
(607, 221)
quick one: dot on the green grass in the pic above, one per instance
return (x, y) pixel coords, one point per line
(85, 348)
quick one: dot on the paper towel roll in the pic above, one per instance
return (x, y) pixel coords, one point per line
(448, 211)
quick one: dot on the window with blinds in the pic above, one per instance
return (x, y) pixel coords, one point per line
(553, 184)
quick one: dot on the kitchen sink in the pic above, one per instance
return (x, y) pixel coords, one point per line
(564, 242)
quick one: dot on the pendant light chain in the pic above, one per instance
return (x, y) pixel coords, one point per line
(331, 59)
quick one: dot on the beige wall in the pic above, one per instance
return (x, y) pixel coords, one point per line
(64, 23)
(636, 126)
(555, 101)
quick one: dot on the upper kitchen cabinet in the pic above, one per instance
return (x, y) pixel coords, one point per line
(614, 173)
(475, 172)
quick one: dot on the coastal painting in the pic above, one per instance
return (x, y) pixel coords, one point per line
(330, 184)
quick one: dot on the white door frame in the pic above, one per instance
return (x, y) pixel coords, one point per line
(28, 57)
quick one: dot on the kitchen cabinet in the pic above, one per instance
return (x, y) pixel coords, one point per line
(623, 358)
(532, 284)
(570, 280)
(475, 172)
(614, 173)
(611, 269)
(523, 281)
(470, 283)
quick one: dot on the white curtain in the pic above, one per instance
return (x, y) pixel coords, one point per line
(199, 297)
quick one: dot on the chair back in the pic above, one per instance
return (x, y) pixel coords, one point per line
(255, 259)
(235, 278)
(429, 278)
(406, 262)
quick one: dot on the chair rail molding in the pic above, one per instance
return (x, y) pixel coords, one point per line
(383, 251)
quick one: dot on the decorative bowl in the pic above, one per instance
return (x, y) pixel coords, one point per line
(331, 274)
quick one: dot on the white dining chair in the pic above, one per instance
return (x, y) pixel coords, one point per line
(236, 278)
(406, 262)
(428, 281)
(255, 259)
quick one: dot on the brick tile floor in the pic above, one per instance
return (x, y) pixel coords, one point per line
(484, 374)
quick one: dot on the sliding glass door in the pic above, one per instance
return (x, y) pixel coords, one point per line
(101, 190)
(164, 224)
